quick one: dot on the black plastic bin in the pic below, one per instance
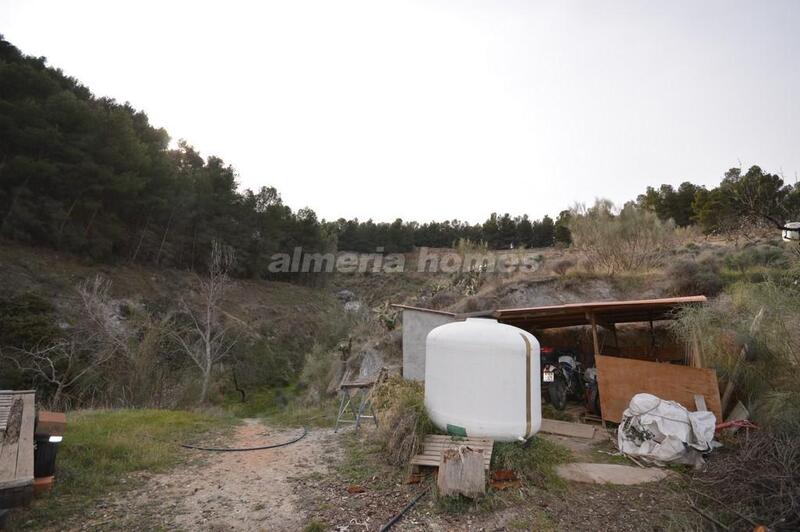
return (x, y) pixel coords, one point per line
(44, 458)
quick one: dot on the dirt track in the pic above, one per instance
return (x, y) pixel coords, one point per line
(226, 491)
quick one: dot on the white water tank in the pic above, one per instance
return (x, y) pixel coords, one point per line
(791, 232)
(482, 379)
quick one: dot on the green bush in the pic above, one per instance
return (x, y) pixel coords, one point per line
(691, 277)
(534, 460)
(762, 255)
(26, 320)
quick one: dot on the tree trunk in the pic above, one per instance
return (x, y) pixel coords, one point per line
(57, 396)
(164, 238)
(206, 380)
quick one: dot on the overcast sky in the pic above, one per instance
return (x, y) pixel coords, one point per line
(440, 110)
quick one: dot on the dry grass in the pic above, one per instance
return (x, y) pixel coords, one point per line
(625, 240)
(404, 422)
(768, 382)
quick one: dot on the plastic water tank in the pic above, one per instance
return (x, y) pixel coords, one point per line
(482, 379)
(791, 232)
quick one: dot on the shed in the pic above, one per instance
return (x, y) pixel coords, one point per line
(605, 314)
(672, 381)
(417, 323)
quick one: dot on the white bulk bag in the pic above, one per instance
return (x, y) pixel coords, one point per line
(664, 431)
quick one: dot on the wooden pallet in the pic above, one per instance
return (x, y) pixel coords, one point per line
(6, 398)
(16, 447)
(434, 444)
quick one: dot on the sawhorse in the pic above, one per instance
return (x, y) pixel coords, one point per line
(357, 397)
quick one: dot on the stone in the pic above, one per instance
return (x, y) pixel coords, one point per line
(610, 474)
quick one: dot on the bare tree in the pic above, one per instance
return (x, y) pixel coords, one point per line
(61, 365)
(92, 342)
(207, 338)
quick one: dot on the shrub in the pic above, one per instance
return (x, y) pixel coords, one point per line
(465, 246)
(403, 420)
(768, 380)
(26, 320)
(632, 239)
(322, 370)
(563, 266)
(763, 255)
(442, 300)
(534, 460)
(691, 277)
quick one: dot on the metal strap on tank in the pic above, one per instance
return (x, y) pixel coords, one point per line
(527, 385)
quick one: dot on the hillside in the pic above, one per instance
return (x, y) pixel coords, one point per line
(290, 317)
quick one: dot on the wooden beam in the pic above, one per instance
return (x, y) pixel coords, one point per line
(595, 342)
(696, 353)
(700, 403)
(567, 428)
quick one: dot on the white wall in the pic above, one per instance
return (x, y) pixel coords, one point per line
(416, 326)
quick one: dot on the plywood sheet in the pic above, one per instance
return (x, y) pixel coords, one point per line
(620, 379)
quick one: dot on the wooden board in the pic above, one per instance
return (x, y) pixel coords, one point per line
(16, 447)
(619, 379)
(435, 444)
(25, 451)
(566, 428)
(461, 473)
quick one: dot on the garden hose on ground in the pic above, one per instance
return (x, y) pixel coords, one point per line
(402, 512)
(242, 449)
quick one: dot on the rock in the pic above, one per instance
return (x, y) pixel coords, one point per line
(352, 306)
(345, 295)
(610, 473)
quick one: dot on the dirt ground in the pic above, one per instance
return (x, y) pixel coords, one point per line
(224, 491)
(312, 481)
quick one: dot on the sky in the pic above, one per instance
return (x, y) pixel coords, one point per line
(437, 110)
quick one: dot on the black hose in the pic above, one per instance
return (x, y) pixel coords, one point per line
(402, 512)
(242, 449)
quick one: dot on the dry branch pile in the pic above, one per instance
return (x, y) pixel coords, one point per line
(761, 478)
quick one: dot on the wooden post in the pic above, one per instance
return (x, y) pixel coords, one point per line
(461, 472)
(594, 334)
(614, 331)
(696, 358)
